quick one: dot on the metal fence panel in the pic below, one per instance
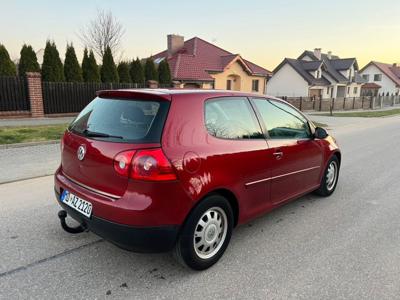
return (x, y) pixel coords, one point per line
(13, 94)
(69, 97)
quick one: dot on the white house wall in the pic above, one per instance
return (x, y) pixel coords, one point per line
(387, 85)
(287, 82)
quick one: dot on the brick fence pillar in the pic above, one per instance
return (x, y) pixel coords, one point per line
(34, 81)
(176, 84)
(152, 84)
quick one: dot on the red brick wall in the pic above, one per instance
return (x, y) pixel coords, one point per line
(34, 82)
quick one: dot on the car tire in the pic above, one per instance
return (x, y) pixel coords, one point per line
(330, 178)
(205, 234)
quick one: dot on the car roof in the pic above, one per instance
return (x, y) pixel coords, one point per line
(167, 93)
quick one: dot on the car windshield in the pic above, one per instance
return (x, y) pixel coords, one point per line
(139, 121)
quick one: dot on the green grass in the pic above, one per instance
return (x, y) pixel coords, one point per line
(318, 124)
(24, 134)
(366, 114)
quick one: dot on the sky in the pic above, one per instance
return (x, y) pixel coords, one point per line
(262, 31)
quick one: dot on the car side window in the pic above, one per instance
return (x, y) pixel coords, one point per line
(281, 120)
(231, 118)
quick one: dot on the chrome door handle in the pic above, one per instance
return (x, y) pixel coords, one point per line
(278, 154)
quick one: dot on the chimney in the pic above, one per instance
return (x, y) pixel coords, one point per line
(175, 43)
(329, 54)
(395, 65)
(317, 53)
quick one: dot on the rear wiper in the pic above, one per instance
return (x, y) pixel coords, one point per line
(100, 134)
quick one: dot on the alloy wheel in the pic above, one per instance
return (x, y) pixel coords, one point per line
(210, 232)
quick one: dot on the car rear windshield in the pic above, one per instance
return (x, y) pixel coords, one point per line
(120, 120)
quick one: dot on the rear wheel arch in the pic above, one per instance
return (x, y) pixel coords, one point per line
(228, 195)
(232, 199)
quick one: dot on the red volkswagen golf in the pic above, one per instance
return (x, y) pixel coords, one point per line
(156, 170)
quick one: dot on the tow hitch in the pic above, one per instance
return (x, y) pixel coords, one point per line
(62, 214)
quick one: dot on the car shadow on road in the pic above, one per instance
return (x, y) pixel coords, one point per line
(113, 271)
(149, 269)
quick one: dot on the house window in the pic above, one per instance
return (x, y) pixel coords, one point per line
(229, 84)
(348, 90)
(254, 85)
(318, 74)
(366, 77)
(328, 90)
(355, 90)
(378, 77)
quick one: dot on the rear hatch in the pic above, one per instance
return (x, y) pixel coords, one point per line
(105, 128)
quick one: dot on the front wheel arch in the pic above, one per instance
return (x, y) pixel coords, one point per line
(338, 155)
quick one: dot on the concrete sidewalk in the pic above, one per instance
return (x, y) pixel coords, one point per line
(35, 121)
(346, 125)
(385, 108)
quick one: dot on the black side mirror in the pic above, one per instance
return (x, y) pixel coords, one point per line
(320, 133)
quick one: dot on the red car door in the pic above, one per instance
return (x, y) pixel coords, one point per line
(242, 163)
(295, 157)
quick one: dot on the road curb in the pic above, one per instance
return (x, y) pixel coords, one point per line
(26, 178)
(30, 144)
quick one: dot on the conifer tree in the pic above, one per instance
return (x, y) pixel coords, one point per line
(72, 69)
(108, 70)
(150, 70)
(164, 73)
(28, 60)
(123, 72)
(90, 69)
(85, 65)
(7, 67)
(52, 67)
(136, 72)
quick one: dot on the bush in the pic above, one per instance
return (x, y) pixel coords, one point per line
(28, 61)
(136, 72)
(7, 67)
(123, 72)
(108, 70)
(72, 69)
(52, 67)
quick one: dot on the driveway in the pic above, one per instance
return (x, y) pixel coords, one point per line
(342, 247)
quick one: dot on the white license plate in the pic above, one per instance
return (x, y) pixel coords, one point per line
(83, 206)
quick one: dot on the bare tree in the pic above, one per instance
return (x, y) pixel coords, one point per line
(102, 32)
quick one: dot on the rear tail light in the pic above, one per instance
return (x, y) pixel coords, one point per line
(148, 164)
(152, 164)
(122, 162)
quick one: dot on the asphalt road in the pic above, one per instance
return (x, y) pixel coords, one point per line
(343, 247)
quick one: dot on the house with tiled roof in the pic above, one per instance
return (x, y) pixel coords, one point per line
(196, 63)
(381, 78)
(316, 74)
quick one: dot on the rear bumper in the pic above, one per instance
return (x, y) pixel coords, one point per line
(133, 238)
(143, 204)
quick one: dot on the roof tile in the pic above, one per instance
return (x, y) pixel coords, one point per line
(198, 57)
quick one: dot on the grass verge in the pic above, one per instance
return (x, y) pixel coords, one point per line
(318, 124)
(366, 114)
(24, 134)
